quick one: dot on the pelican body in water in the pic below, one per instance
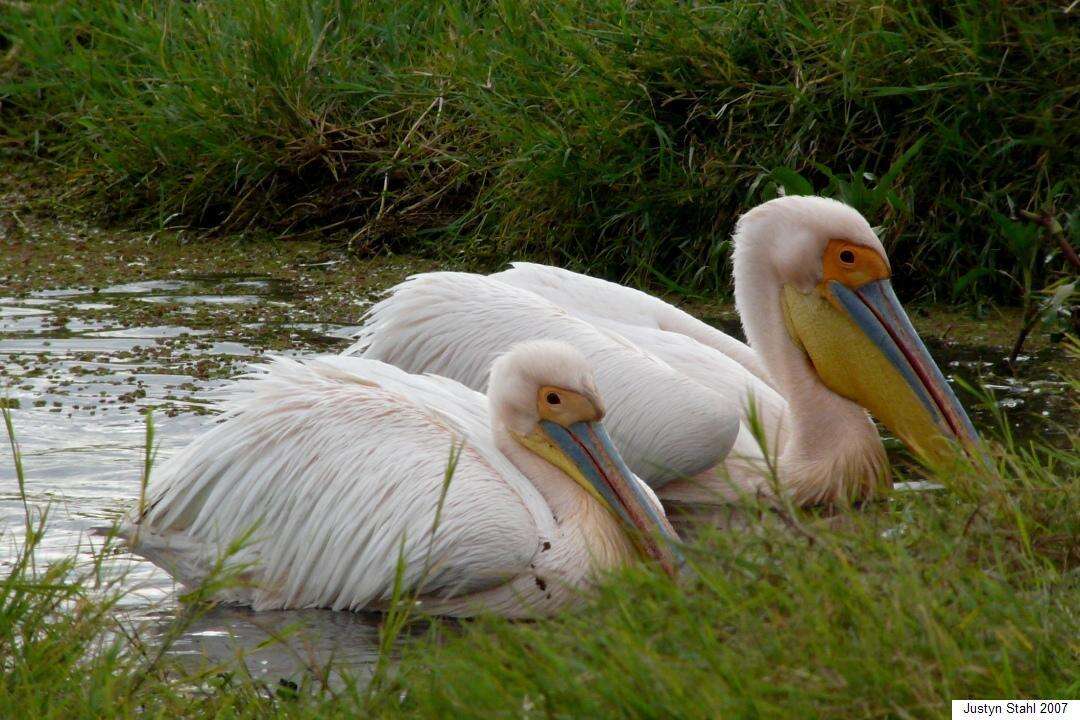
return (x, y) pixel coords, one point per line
(333, 468)
(828, 340)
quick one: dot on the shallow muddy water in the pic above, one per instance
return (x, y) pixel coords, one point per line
(81, 366)
(80, 379)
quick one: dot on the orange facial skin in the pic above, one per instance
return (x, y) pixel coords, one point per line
(852, 265)
(566, 407)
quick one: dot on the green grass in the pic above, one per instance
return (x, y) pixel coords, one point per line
(889, 610)
(619, 137)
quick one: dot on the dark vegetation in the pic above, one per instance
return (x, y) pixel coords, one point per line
(619, 137)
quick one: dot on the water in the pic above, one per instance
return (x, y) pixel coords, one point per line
(80, 378)
(82, 366)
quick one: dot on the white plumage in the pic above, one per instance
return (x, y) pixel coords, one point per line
(454, 324)
(336, 466)
(673, 417)
(717, 361)
(821, 444)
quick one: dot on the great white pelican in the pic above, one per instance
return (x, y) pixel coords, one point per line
(333, 468)
(828, 341)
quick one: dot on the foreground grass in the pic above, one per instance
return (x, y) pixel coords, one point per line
(620, 137)
(890, 610)
(887, 612)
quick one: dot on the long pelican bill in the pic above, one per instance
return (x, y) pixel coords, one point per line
(863, 346)
(585, 452)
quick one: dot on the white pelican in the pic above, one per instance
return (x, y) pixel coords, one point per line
(337, 465)
(828, 341)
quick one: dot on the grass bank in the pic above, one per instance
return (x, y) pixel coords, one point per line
(889, 610)
(622, 138)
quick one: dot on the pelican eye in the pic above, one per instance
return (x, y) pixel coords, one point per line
(847, 257)
(553, 399)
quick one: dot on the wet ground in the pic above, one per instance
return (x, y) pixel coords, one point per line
(99, 327)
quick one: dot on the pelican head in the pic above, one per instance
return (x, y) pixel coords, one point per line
(838, 307)
(543, 393)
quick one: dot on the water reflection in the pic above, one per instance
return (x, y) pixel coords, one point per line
(79, 388)
(276, 645)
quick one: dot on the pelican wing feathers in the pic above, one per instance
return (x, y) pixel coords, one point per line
(665, 424)
(335, 467)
